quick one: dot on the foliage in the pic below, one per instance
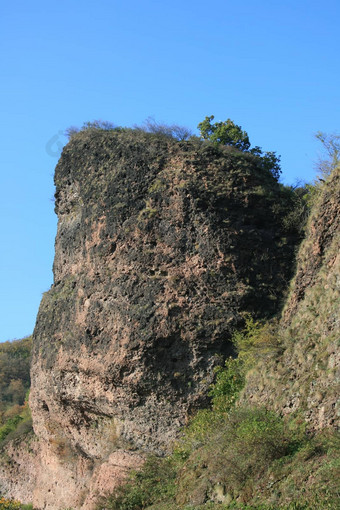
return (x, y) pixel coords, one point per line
(18, 424)
(258, 340)
(296, 205)
(230, 380)
(9, 426)
(251, 438)
(15, 417)
(229, 133)
(225, 133)
(154, 482)
(331, 145)
(9, 504)
(149, 126)
(103, 125)
(269, 161)
(15, 360)
(252, 455)
(234, 454)
(172, 131)
(13, 504)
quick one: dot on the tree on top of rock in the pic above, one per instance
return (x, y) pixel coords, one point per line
(226, 133)
(229, 133)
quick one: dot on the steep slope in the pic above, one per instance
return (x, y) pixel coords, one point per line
(305, 380)
(161, 246)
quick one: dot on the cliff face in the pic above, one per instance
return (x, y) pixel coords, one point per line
(160, 247)
(304, 380)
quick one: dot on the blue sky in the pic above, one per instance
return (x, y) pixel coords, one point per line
(271, 66)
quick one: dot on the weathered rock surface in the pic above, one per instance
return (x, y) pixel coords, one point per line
(305, 380)
(161, 246)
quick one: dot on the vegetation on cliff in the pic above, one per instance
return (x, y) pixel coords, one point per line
(15, 358)
(229, 133)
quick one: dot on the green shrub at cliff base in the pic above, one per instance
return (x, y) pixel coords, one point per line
(257, 341)
(230, 380)
(153, 483)
(256, 458)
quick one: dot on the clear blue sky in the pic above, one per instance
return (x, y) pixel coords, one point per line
(271, 66)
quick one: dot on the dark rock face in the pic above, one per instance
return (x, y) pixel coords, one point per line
(161, 246)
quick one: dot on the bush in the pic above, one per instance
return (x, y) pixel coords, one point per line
(168, 130)
(9, 504)
(249, 456)
(230, 380)
(154, 482)
(250, 440)
(149, 126)
(257, 341)
(102, 125)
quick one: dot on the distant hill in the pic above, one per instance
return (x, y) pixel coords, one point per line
(15, 359)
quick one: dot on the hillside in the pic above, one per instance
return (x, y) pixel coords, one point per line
(15, 358)
(165, 251)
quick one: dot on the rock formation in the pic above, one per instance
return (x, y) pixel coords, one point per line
(161, 247)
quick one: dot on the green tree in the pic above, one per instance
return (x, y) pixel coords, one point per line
(229, 133)
(226, 133)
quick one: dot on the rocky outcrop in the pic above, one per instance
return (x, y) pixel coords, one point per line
(161, 246)
(305, 380)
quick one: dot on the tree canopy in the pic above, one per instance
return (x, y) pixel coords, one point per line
(229, 133)
(226, 133)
